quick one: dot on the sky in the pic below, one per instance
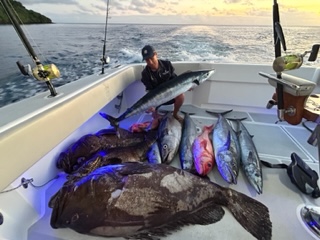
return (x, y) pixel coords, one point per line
(213, 12)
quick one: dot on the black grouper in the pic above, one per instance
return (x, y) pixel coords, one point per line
(142, 201)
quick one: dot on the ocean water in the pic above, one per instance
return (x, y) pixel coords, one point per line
(76, 49)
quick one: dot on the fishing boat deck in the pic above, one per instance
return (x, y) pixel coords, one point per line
(274, 142)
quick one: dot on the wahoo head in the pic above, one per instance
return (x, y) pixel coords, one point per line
(201, 76)
(227, 166)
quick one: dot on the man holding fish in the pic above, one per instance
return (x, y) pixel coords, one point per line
(157, 72)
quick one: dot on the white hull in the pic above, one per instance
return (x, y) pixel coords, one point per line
(33, 132)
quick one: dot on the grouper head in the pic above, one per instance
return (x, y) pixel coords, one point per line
(227, 166)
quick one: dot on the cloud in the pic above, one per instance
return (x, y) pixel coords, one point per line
(34, 2)
(232, 1)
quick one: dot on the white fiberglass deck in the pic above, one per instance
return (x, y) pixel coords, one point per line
(275, 143)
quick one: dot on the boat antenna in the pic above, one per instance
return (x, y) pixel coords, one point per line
(105, 60)
(40, 72)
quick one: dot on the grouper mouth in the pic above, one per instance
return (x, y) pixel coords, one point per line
(57, 205)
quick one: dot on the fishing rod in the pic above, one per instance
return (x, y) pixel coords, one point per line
(278, 39)
(40, 72)
(105, 60)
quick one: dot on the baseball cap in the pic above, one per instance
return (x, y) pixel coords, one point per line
(147, 52)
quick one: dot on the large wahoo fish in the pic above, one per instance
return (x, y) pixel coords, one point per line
(163, 93)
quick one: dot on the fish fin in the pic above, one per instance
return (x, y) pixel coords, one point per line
(251, 214)
(250, 157)
(217, 113)
(207, 214)
(107, 131)
(203, 144)
(131, 168)
(209, 128)
(196, 81)
(187, 113)
(226, 145)
(113, 121)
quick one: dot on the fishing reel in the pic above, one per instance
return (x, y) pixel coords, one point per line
(291, 92)
(42, 73)
(294, 61)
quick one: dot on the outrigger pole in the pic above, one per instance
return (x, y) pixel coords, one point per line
(40, 72)
(105, 60)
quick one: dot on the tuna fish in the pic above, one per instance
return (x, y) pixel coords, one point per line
(189, 134)
(203, 152)
(250, 160)
(84, 148)
(169, 137)
(145, 201)
(162, 94)
(226, 148)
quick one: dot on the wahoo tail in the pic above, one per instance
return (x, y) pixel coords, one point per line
(113, 121)
(251, 214)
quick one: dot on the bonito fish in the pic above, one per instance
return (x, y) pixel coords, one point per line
(226, 149)
(189, 134)
(169, 137)
(143, 201)
(162, 94)
(250, 160)
(202, 150)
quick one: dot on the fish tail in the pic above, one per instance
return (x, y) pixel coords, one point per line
(208, 128)
(113, 121)
(221, 113)
(251, 214)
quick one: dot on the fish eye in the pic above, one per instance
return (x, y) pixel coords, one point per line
(75, 217)
(209, 165)
(165, 146)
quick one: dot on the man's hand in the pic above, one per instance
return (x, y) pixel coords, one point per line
(151, 110)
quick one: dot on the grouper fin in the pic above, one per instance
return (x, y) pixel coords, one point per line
(251, 214)
(207, 214)
(131, 168)
(113, 121)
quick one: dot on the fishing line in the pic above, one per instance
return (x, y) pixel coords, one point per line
(28, 33)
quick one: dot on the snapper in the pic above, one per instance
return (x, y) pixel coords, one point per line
(202, 150)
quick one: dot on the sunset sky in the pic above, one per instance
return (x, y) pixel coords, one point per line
(216, 12)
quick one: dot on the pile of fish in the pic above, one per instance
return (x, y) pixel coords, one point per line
(106, 141)
(144, 201)
(120, 183)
